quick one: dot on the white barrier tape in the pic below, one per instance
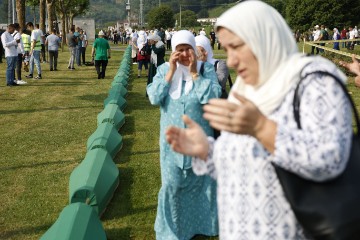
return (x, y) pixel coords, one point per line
(330, 50)
(334, 41)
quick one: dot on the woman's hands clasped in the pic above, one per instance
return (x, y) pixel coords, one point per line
(241, 119)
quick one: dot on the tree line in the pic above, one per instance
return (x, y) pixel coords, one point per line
(52, 10)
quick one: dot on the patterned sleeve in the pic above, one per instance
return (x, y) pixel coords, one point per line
(201, 167)
(320, 150)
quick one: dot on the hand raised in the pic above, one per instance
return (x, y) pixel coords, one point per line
(191, 141)
(241, 119)
(353, 67)
(193, 61)
(174, 58)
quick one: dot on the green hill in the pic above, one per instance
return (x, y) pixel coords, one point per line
(217, 11)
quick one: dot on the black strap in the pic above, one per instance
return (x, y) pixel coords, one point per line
(216, 65)
(296, 102)
(230, 81)
(202, 68)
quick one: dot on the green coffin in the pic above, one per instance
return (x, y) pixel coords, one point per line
(77, 221)
(107, 137)
(118, 88)
(123, 81)
(116, 99)
(94, 181)
(113, 115)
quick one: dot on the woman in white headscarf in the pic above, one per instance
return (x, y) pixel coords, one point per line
(259, 128)
(187, 203)
(206, 54)
(336, 36)
(157, 55)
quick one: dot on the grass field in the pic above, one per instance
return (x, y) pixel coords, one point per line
(44, 127)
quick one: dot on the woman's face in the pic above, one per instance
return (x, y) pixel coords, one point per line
(202, 54)
(184, 57)
(239, 56)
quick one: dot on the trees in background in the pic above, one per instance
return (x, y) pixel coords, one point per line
(188, 19)
(162, 16)
(306, 14)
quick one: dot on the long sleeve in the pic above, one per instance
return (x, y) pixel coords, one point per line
(158, 90)
(222, 73)
(207, 85)
(201, 167)
(9, 43)
(319, 151)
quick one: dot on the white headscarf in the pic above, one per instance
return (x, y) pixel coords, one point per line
(158, 44)
(336, 32)
(264, 30)
(204, 42)
(182, 72)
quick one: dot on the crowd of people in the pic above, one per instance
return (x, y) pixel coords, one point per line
(26, 49)
(322, 33)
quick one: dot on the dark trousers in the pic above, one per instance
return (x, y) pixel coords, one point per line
(213, 43)
(53, 57)
(43, 52)
(168, 44)
(83, 51)
(18, 66)
(102, 64)
(1, 52)
(312, 50)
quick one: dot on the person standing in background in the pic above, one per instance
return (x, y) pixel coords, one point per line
(70, 39)
(157, 53)
(202, 32)
(336, 37)
(84, 44)
(1, 47)
(35, 50)
(10, 45)
(168, 39)
(21, 52)
(78, 40)
(53, 43)
(101, 53)
(26, 39)
(42, 41)
(212, 38)
(343, 37)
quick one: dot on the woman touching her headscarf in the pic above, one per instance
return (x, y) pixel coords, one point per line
(186, 202)
(259, 128)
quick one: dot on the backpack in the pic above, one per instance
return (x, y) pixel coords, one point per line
(325, 36)
(224, 93)
(143, 51)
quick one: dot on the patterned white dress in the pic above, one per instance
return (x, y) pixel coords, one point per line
(251, 202)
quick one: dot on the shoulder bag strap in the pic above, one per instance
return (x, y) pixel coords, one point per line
(296, 102)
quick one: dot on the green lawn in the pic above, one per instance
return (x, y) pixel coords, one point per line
(44, 127)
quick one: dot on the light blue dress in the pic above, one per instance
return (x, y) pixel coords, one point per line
(186, 203)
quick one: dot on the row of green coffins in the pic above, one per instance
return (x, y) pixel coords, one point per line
(94, 181)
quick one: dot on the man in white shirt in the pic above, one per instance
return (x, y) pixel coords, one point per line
(11, 54)
(168, 39)
(35, 50)
(84, 44)
(351, 36)
(202, 32)
(316, 35)
(21, 52)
